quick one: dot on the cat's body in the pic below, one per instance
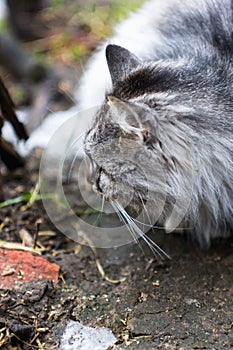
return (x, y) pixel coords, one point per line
(164, 136)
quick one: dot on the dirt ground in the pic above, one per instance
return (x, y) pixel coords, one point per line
(182, 303)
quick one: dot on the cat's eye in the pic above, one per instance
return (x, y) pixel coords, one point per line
(149, 139)
(144, 135)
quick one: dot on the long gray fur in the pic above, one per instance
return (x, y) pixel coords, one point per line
(172, 114)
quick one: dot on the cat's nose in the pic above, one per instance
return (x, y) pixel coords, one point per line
(93, 176)
(97, 182)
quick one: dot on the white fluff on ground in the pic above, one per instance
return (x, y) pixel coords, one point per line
(78, 336)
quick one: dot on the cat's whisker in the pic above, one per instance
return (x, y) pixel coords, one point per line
(137, 231)
(103, 203)
(152, 226)
(101, 211)
(147, 225)
(86, 162)
(160, 227)
(152, 245)
(145, 210)
(120, 213)
(72, 164)
(77, 139)
(76, 154)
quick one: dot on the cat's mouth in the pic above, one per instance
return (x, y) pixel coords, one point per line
(97, 183)
(116, 189)
(104, 185)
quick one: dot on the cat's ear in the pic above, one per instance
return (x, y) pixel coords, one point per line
(120, 61)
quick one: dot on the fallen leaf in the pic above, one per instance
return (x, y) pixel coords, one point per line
(26, 238)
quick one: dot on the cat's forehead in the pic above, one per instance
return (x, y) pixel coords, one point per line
(103, 122)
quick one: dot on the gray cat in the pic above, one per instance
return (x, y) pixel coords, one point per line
(162, 140)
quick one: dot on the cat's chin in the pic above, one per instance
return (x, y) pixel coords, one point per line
(131, 203)
(118, 193)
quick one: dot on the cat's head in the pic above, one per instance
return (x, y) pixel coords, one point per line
(130, 142)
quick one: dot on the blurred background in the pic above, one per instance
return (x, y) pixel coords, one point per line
(44, 45)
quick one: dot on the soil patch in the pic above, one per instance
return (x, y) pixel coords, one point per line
(182, 303)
